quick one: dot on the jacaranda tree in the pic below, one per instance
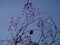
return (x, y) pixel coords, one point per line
(32, 27)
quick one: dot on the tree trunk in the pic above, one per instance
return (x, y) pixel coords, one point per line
(15, 43)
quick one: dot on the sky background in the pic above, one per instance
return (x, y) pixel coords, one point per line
(12, 8)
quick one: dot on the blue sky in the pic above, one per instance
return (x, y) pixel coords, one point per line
(11, 8)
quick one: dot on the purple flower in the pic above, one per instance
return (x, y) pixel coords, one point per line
(20, 40)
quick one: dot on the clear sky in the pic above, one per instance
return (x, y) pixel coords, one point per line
(11, 8)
